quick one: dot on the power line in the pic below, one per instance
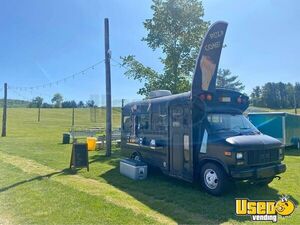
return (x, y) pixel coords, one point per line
(50, 84)
(118, 63)
(24, 98)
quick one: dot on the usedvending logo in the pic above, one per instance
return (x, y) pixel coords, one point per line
(264, 210)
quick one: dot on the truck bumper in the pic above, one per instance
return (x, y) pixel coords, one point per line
(258, 172)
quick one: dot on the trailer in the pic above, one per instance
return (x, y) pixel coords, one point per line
(280, 125)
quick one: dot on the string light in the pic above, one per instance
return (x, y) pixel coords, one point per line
(72, 76)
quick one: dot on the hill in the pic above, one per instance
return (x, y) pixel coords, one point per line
(15, 103)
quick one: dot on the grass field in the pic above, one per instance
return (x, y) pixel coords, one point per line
(36, 186)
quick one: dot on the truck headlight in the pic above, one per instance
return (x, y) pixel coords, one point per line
(281, 153)
(239, 155)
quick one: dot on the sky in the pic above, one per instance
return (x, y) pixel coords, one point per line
(45, 41)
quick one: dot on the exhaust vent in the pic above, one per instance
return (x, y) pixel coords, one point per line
(159, 93)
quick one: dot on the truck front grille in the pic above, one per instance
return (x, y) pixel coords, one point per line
(262, 156)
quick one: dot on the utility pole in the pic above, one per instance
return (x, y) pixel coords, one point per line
(4, 111)
(108, 87)
(295, 102)
(39, 114)
(73, 117)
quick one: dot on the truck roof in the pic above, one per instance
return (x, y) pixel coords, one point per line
(213, 105)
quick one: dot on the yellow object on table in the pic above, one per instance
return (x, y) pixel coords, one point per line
(91, 142)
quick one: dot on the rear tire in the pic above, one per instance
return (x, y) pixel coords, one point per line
(136, 156)
(214, 179)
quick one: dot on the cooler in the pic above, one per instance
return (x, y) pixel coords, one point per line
(133, 169)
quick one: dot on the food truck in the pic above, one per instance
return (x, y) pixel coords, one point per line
(201, 135)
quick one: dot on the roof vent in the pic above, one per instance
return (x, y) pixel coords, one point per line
(159, 93)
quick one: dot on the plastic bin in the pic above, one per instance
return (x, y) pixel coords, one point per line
(66, 138)
(91, 142)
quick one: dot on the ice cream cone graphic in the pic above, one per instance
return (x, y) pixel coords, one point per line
(207, 67)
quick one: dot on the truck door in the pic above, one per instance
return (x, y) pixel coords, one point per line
(179, 152)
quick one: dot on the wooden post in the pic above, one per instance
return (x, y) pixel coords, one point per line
(108, 87)
(95, 114)
(39, 114)
(73, 117)
(4, 111)
(295, 102)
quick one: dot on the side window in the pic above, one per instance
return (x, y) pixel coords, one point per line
(186, 117)
(177, 117)
(159, 122)
(143, 122)
(127, 123)
(216, 121)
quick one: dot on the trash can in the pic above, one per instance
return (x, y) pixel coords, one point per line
(66, 138)
(91, 142)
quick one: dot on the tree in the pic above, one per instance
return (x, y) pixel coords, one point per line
(276, 95)
(46, 105)
(80, 104)
(177, 26)
(297, 93)
(57, 100)
(69, 104)
(36, 102)
(256, 93)
(90, 103)
(256, 96)
(226, 80)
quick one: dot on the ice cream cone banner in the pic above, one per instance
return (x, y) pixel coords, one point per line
(208, 59)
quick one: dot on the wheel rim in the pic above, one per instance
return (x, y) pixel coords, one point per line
(211, 179)
(137, 158)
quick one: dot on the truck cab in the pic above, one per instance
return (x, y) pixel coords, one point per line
(232, 148)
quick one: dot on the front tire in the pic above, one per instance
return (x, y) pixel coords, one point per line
(214, 179)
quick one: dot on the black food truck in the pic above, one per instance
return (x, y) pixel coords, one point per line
(201, 135)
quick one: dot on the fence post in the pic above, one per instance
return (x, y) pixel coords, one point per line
(4, 118)
(73, 117)
(39, 114)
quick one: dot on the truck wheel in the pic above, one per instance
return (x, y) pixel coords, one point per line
(214, 179)
(136, 156)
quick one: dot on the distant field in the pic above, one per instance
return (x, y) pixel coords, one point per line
(14, 103)
(36, 186)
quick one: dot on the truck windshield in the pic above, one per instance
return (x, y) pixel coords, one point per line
(230, 122)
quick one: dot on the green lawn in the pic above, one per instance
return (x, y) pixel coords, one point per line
(36, 186)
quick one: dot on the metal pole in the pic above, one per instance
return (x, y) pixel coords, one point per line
(73, 116)
(123, 100)
(39, 114)
(108, 88)
(4, 111)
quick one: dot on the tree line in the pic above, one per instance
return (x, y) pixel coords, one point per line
(276, 95)
(58, 102)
